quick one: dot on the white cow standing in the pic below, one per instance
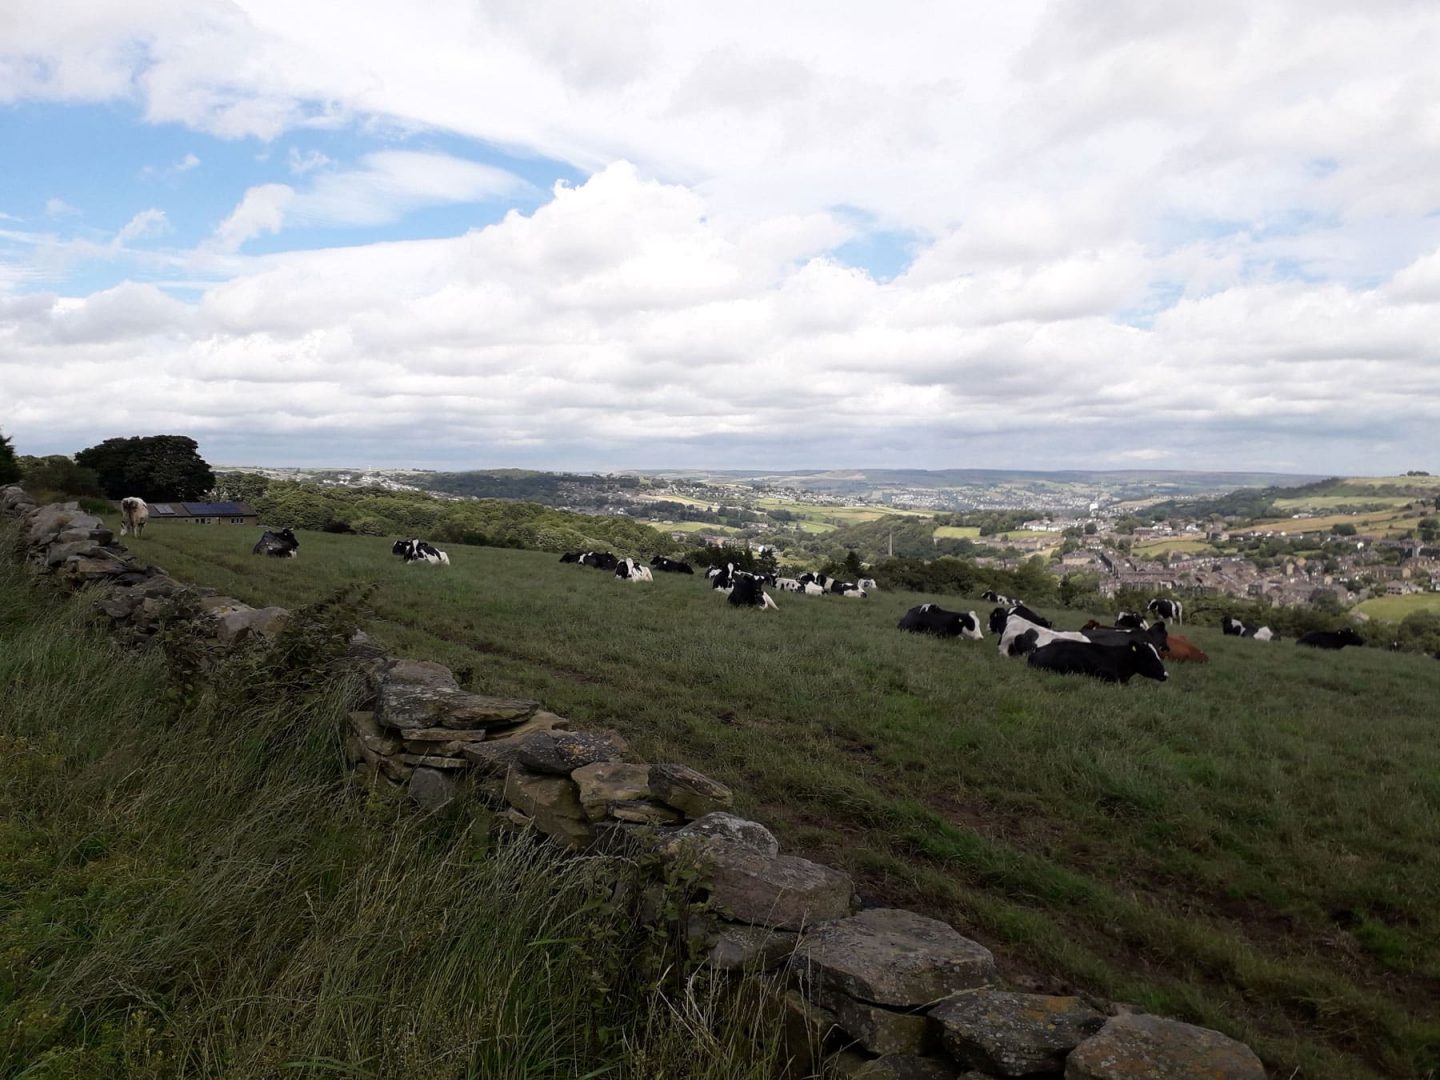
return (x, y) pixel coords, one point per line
(133, 515)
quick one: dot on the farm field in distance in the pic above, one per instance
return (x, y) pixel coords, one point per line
(1395, 608)
(1253, 845)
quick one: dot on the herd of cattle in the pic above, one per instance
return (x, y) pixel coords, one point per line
(1116, 653)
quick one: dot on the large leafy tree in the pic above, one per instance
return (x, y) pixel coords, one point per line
(9, 465)
(154, 467)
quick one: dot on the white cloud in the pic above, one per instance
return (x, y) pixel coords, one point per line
(59, 208)
(150, 222)
(390, 184)
(1250, 184)
(622, 323)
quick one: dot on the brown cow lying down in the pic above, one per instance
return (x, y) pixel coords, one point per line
(1182, 650)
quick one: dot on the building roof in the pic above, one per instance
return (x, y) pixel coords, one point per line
(196, 509)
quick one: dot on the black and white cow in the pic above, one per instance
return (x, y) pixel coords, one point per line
(788, 584)
(1171, 610)
(810, 588)
(868, 584)
(670, 566)
(1330, 639)
(1233, 627)
(630, 570)
(1010, 626)
(1155, 634)
(281, 544)
(722, 577)
(1017, 608)
(419, 551)
(1131, 620)
(933, 619)
(748, 591)
(812, 578)
(847, 588)
(570, 557)
(995, 598)
(600, 560)
(1110, 663)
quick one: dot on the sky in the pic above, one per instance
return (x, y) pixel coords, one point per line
(495, 233)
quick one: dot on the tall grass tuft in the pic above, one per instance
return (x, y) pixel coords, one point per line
(191, 887)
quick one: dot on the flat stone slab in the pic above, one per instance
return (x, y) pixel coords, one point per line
(644, 812)
(722, 826)
(541, 721)
(737, 947)
(419, 673)
(1151, 1047)
(560, 753)
(405, 707)
(687, 790)
(552, 804)
(236, 624)
(876, 1028)
(434, 761)
(1011, 1034)
(369, 733)
(431, 789)
(893, 957)
(773, 890)
(904, 1067)
(604, 782)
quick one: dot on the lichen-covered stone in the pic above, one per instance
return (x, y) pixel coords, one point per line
(403, 707)
(541, 721)
(722, 826)
(448, 742)
(604, 782)
(560, 753)
(419, 673)
(738, 947)
(687, 790)
(644, 812)
(1150, 1047)
(368, 732)
(773, 890)
(434, 761)
(235, 625)
(893, 957)
(904, 1067)
(551, 802)
(431, 789)
(1012, 1034)
(876, 1028)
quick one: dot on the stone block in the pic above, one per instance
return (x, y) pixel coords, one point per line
(1145, 1047)
(551, 802)
(722, 826)
(405, 707)
(560, 753)
(893, 957)
(1013, 1034)
(603, 782)
(689, 791)
(737, 947)
(432, 789)
(773, 890)
(876, 1028)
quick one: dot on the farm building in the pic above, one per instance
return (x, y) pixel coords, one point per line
(220, 513)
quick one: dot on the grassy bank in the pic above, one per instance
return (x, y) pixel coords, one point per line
(1254, 845)
(192, 888)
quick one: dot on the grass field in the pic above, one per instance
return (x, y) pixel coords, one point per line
(1377, 522)
(1254, 845)
(1155, 547)
(1330, 502)
(198, 891)
(958, 532)
(1395, 608)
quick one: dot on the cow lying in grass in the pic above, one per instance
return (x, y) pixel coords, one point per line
(280, 544)
(1109, 663)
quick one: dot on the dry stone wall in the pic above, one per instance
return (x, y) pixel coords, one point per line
(878, 994)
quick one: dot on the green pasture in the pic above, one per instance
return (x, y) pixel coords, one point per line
(1330, 502)
(1375, 521)
(1188, 547)
(1395, 608)
(1253, 845)
(191, 886)
(957, 532)
(695, 527)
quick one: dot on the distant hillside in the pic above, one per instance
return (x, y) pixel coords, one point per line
(1332, 494)
(959, 489)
